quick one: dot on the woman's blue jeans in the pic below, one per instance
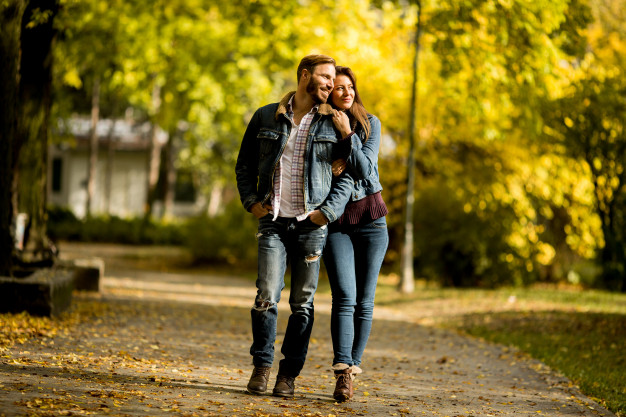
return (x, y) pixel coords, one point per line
(286, 241)
(353, 257)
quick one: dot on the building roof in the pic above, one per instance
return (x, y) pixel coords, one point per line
(125, 134)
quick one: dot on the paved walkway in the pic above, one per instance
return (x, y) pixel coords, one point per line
(161, 344)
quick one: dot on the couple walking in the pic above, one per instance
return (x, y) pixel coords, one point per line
(308, 170)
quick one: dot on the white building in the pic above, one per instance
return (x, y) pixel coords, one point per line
(121, 173)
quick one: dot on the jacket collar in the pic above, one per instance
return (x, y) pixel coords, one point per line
(324, 109)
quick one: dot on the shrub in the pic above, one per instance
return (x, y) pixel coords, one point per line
(227, 237)
(463, 248)
(63, 225)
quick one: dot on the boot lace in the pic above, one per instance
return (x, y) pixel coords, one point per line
(260, 371)
(286, 379)
(343, 380)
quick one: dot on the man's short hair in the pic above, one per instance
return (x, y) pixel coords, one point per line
(309, 63)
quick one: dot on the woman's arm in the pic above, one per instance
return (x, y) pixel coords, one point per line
(364, 156)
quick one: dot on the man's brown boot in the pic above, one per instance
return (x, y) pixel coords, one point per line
(343, 388)
(258, 381)
(285, 386)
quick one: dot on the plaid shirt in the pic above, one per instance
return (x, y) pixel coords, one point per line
(297, 166)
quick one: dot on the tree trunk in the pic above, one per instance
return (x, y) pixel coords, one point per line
(35, 100)
(170, 175)
(154, 156)
(407, 280)
(215, 200)
(613, 254)
(92, 166)
(108, 179)
(10, 28)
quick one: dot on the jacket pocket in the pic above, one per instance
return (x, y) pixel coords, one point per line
(323, 146)
(268, 142)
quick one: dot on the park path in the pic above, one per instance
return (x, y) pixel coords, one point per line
(162, 344)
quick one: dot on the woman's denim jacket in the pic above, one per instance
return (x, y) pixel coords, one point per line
(362, 161)
(263, 145)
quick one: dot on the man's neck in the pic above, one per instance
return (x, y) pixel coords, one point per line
(302, 102)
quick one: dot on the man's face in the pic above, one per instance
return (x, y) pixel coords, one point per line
(320, 84)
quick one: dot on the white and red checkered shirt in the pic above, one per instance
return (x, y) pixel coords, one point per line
(292, 200)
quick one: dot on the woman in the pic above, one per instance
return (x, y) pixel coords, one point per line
(358, 240)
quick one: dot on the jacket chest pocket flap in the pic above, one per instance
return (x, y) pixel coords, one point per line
(323, 146)
(268, 141)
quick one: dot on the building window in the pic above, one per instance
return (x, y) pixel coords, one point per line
(185, 190)
(57, 170)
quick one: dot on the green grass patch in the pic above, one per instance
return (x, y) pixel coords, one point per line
(588, 348)
(579, 333)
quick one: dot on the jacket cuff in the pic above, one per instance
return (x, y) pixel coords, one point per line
(330, 215)
(344, 148)
(348, 136)
(248, 202)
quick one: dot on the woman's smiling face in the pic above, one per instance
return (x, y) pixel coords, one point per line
(343, 92)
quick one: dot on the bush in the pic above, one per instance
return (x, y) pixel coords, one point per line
(463, 248)
(227, 237)
(63, 225)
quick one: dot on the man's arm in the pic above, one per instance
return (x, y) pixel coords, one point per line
(260, 210)
(247, 166)
(339, 195)
(335, 204)
(341, 189)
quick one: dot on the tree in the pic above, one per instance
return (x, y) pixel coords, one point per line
(10, 29)
(35, 101)
(588, 121)
(88, 55)
(495, 65)
(407, 278)
(27, 36)
(497, 199)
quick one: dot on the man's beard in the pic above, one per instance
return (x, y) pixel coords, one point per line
(312, 88)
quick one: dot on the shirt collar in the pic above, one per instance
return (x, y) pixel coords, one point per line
(314, 109)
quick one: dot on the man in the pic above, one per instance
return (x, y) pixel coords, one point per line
(284, 179)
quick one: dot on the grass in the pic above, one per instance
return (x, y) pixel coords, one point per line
(588, 348)
(581, 334)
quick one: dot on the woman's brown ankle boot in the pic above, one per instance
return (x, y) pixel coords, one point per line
(343, 388)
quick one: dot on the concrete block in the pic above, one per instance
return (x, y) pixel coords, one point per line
(46, 292)
(87, 273)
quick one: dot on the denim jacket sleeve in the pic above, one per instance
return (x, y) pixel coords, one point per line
(340, 192)
(247, 166)
(363, 157)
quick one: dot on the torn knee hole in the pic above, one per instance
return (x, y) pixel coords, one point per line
(311, 258)
(263, 304)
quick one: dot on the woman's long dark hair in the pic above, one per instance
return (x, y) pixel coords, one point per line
(356, 113)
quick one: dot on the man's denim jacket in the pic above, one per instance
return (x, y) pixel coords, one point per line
(263, 145)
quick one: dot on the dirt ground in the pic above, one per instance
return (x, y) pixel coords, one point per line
(157, 342)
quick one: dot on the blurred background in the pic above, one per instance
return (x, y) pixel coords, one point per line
(121, 122)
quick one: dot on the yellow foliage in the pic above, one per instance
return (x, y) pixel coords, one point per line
(72, 79)
(545, 253)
